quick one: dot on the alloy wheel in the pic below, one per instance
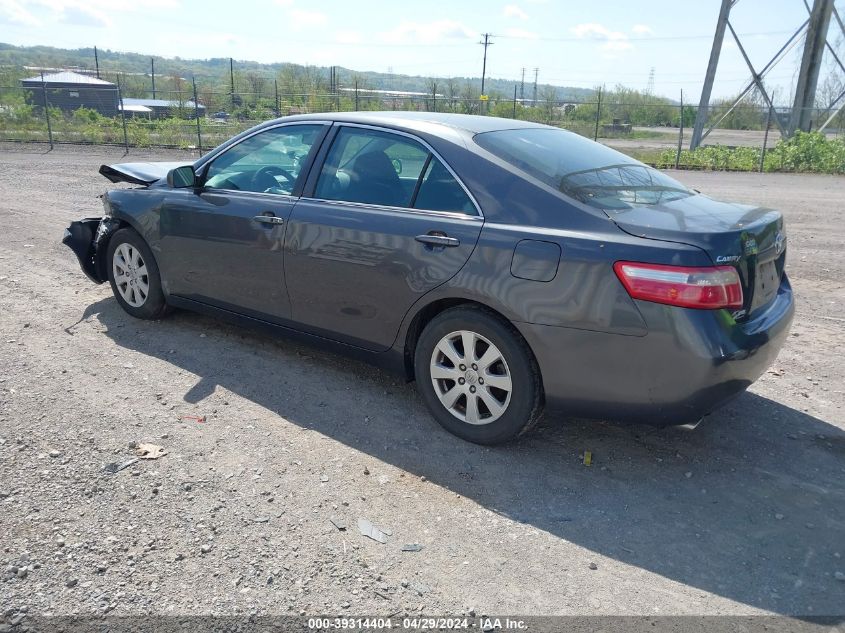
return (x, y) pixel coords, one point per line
(130, 275)
(471, 377)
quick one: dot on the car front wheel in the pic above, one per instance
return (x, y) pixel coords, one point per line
(478, 376)
(134, 277)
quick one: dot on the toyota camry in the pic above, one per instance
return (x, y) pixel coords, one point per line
(508, 267)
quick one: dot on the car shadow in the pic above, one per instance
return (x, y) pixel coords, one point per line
(748, 506)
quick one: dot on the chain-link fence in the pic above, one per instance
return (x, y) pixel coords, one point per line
(653, 131)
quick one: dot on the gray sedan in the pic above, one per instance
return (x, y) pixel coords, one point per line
(508, 267)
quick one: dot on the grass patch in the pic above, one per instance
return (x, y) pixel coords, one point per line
(804, 152)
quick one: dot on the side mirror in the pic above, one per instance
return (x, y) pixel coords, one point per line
(182, 177)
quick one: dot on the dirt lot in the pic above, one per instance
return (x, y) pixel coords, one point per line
(744, 515)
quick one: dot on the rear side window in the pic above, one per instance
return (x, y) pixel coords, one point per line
(587, 171)
(439, 191)
(380, 168)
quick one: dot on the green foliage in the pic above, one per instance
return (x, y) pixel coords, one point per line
(87, 115)
(748, 114)
(804, 152)
(808, 151)
(250, 77)
(629, 106)
(639, 108)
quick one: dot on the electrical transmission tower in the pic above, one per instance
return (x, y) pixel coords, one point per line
(534, 99)
(649, 89)
(815, 28)
(522, 86)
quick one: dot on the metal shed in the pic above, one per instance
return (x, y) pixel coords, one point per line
(161, 108)
(70, 91)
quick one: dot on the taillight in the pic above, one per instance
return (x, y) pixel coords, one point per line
(707, 288)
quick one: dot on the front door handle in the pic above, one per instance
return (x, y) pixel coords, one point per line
(268, 219)
(438, 240)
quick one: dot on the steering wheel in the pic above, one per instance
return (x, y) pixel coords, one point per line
(264, 178)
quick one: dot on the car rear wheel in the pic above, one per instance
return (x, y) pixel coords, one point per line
(477, 376)
(134, 277)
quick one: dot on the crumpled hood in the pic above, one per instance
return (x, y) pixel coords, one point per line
(139, 173)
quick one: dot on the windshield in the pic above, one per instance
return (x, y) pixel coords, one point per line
(587, 171)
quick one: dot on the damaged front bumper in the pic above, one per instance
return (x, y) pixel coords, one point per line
(87, 239)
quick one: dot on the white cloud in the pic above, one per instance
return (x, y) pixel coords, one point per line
(513, 11)
(14, 12)
(428, 32)
(102, 5)
(91, 13)
(642, 29)
(614, 41)
(348, 37)
(85, 16)
(521, 34)
(302, 18)
(284, 3)
(596, 31)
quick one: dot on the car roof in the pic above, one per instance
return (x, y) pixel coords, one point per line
(420, 121)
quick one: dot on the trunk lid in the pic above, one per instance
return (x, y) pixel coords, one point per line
(751, 239)
(139, 173)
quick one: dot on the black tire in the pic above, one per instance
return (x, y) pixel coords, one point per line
(154, 305)
(525, 407)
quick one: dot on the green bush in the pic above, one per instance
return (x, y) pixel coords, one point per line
(803, 152)
(808, 151)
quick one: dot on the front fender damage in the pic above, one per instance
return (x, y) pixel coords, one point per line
(88, 239)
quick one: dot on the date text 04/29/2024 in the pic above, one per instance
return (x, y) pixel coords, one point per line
(416, 623)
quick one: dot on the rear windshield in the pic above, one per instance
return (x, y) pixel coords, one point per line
(588, 171)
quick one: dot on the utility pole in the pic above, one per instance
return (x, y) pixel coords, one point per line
(680, 133)
(123, 117)
(97, 62)
(47, 108)
(707, 89)
(197, 113)
(485, 44)
(534, 98)
(232, 79)
(153, 74)
(336, 90)
(522, 86)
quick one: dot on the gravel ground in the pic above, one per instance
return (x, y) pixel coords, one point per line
(744, 515)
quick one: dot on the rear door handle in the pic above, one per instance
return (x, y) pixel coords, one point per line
(438, 240)
(268, 219)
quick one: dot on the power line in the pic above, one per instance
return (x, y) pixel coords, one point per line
(666, 38)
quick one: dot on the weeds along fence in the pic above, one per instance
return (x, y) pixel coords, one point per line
(744, 138)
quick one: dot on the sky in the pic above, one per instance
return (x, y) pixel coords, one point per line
(584, 43)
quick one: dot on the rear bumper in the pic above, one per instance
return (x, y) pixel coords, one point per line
(689, 363)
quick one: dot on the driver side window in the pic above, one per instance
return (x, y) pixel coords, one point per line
(268, 162)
